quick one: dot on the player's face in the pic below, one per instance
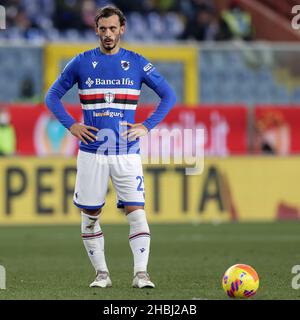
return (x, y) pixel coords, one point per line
(109, 32)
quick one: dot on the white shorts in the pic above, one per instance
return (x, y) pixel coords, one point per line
(93, 172)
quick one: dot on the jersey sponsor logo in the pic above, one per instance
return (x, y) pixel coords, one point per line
(89, 82)
(114, 82)
(148, 67)
(108, 113)
(109, 97)
(94, 63)
(125, 65)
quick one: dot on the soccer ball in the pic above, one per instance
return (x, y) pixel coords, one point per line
(240, 281)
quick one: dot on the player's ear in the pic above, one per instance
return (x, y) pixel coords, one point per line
(96, 30)
(122, 29)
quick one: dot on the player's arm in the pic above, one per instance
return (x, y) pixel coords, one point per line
(168, 98)
(53, 101)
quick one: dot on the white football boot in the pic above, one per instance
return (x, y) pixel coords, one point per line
(102, 280)
(142, 280)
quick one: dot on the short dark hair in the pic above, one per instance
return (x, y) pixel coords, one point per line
(109, 11)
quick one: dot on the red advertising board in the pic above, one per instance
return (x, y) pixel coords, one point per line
(225, 127)
(277, 129)
(39, 133)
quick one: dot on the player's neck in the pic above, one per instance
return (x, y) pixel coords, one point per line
(110, 52)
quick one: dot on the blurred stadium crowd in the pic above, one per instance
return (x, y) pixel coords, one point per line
(147, 20)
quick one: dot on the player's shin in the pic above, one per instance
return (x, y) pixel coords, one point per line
(139, 239)
(93, 240)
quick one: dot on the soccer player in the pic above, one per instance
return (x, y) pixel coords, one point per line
(109, 79)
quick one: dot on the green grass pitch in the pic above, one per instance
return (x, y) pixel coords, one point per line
(187, 261)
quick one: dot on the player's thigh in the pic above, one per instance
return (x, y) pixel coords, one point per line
(91, 180)
(128, 179)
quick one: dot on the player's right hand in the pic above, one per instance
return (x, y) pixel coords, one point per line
(81, 131)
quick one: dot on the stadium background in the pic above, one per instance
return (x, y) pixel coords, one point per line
(240, 81)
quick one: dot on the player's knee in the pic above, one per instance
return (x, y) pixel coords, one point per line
(138, 221)
(137, 216)
(129, 209)
(92, 212)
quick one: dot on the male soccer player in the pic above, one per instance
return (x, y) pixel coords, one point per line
(109, 79)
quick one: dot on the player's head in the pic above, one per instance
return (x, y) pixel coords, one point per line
(109, 25)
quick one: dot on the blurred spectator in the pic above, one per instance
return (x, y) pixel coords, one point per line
(40, 12)
(27, 91)
(164, 5)
(102, 3)
(189, 7)
(148, 20)
(7, 134)
(11, 7)
(22, 21)
(235, 23)
(67, 14)
(202, 26)
(88, 10)
(142, 6)
(19, 24)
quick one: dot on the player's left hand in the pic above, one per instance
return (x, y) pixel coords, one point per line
(136, 130)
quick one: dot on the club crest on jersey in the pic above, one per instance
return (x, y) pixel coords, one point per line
(125, 65)
(109, 97)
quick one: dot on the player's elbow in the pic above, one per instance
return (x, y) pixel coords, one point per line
(169, 98)
(48, 98)
(52, 97)
(54, 94)
(167, 94)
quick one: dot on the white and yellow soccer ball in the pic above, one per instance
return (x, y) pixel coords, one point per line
(240, 281)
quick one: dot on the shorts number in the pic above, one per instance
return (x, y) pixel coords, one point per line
(140, 185)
